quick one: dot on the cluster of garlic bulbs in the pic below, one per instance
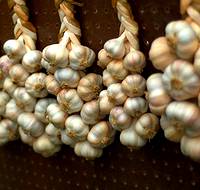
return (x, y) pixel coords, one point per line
(173, 93)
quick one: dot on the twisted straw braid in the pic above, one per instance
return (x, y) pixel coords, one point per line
(24, 29)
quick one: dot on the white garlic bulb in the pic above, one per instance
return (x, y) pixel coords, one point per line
(53, 133)
(66, 139)
(131, 139)
(56, 115)
(135, 107)
(5, 64)
(49, 68)
(105, 104)
(35, 85)
(4, 99)
(90, 112)
(30, 124)
(117, 70)
(18, 74)
(134, 85)
(147, 126)
(14, 49)
(101, 134)
(181, 81)
(9, 86)
(103, 59)
(27, 139)
(41, 108)
(119, 119)
(116, 94)
(52, 85)
(81, 57)
(75, 128)
(134, 61)
(45, 147)
(86, 150)
(89, 86)
(69, 100)
(12, 110)
(67, 77)
(32, 61)
(197, 62)
(108, 79)
(24, 100)
(8, 131)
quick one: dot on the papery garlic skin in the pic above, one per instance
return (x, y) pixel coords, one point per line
(69, 100)
(32, 61)
(49, 69)
(5, 64)
(134, 85)
(108, 79)
(35, 85)
(75, 128)
(9, 86)
(81, 57)
(89, 87)
(53, 133)
(67, 77)
(52, 85)
(67, 140)
(4, 99)
(103, 59)
(86, 150)
(135, 107)
(134, 61)
(116, 94)
(25, 138)
(119, 119)
(41, 108)
(181, 81)
(197, 62)
(90, 112)
(56, 115)
(8, 131)
(101, 134)
(30, 124)
(147, 126)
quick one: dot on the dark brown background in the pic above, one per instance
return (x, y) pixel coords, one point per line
(159, 165)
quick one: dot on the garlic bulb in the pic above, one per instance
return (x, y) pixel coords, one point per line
(181, 81)
(135, 107)
(35, 85)
(9, 86)
(86, 150)
(131, 139)
(66, 139)
(105, 104)
(134, 61)
(119, 119)
(115, 47)
(32, 61)
(81, 57)
(191, 147)
(108, 79)
(18, 74)
(14, 49)
(89, 86)
(49, 68)
(41, 108)
(27, 139)
(4, 99)
(117, 70)
(90, 112)
(134, 85)
(69, 100)
(45, 147)
(183, 37)
(56, 55)
(103, 59)
(30, 124)
(8, 131)
(173, 130)
(101, 134)
(52, 85)
(75, 128)
(53, 133)
(147, 126)
(116, 94)
(12, 110)
(5, 64)
(161, 53)
(67, 77)
(24, 100)
(157, 95)
(197, 62)
(56, 115)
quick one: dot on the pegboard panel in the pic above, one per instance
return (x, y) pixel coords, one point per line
(159, 165)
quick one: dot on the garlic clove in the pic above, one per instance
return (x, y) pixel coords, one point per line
(67, 140)
(27, 139)
(103, 59)
(9, 86)
(52, 85)
(108, 79)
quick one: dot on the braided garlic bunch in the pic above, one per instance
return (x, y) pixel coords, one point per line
(173, 94)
